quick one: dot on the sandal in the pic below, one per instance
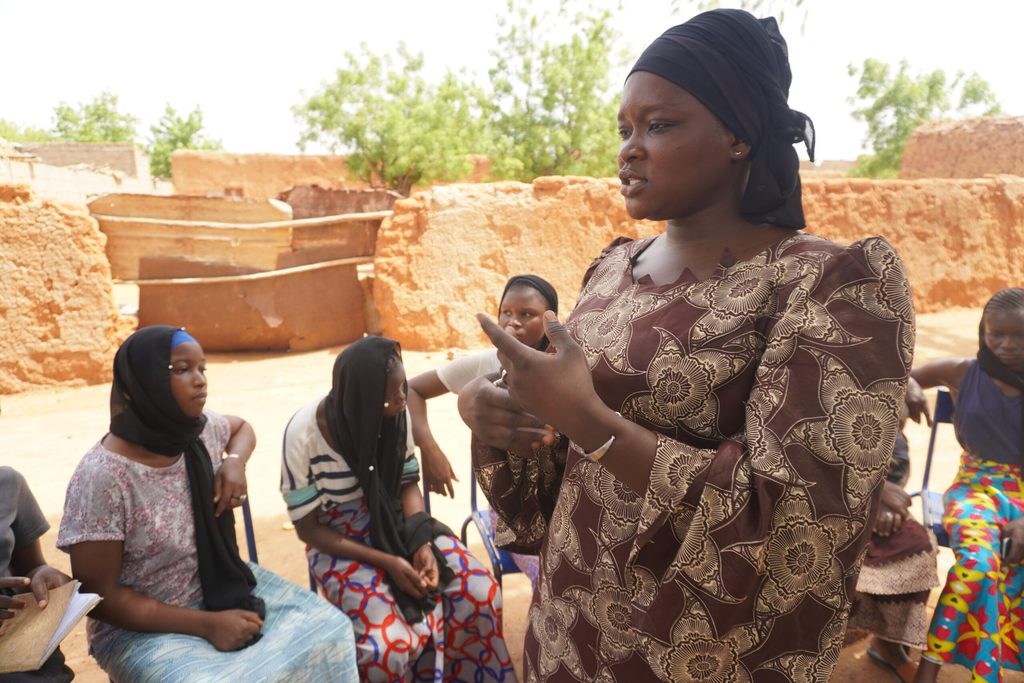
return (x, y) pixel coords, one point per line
(904, 672)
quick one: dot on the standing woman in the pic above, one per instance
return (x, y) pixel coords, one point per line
(422, 607)
(979, 616)
(730, 390)
(149, 525)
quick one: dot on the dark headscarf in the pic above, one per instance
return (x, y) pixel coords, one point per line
(1011, 300)
(374, 446)
(738, 67)
(143, 411)
(543, 287)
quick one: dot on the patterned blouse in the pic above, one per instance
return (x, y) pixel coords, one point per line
(774, 386)
(112, 498)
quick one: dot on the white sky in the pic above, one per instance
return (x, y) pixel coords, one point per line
(247, 63)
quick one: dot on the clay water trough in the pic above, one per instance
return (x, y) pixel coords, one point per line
(237, 280)
(262, 246)
(291, 309)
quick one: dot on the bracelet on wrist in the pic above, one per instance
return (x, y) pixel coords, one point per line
(232, 456)
(599, 452)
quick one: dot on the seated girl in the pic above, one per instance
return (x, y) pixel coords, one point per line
(349, 477)
(149, 525)
(23, 568)
(977, 622)
(520, 312)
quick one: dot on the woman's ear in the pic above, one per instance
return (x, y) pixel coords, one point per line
(739, 150)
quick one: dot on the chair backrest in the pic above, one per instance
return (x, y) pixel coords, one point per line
(932, 506)
(943, 414)
(250, 535)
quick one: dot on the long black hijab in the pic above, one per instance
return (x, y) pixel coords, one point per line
(738, 67)
(374, 449)
(1007, 300)
(143, 411)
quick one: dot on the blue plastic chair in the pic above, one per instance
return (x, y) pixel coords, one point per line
(250, 536)
(932, 505)
(501, 562)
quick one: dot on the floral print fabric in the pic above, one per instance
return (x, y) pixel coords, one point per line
(774, 386)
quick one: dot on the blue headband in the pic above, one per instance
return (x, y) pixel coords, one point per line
(181, 337)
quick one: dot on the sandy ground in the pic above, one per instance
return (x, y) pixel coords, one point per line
(44, 433)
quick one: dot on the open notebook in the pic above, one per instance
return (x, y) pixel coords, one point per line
(28, 640)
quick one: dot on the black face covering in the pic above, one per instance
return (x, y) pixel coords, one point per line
(738, 67)
(143, 411)
(543, 287)
(374, 449)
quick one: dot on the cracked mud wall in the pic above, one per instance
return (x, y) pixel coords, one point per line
(56, 294)
(445, 254)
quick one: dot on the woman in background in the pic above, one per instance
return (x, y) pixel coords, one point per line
(520, 313)
(979, 616)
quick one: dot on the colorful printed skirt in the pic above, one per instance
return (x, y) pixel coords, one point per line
(461, 640)
(979, 621)
(304, 639)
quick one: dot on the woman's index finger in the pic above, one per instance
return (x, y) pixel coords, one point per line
(506, 344)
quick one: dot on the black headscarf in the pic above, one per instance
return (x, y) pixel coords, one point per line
(143, 411)
(738, 67)
(543, 287)
(374, 448)
(1011, 299)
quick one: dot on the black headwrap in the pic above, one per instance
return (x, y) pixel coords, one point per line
(1011, 299)
(143, 411)
(543, 288)
(738, 67)
(374, 448)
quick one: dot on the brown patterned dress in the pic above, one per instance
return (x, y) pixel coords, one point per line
(774, 386)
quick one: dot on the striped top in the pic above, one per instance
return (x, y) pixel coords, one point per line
(315, 475)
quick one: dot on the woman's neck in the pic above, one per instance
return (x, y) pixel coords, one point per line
(321, 423)
(137, 452)
(700, 246)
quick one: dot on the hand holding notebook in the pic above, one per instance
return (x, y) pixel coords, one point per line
(29, 638)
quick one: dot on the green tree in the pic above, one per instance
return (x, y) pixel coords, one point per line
(96, 121)
(173, 132)
(12, 132)
(399, 129)
(553, 109)
(894, 104)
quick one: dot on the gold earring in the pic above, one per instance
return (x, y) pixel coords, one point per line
(737, 153)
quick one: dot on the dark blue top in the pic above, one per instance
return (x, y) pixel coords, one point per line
(987, 421)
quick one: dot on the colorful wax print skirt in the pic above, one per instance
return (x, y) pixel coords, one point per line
(979, 621)
(461, 640)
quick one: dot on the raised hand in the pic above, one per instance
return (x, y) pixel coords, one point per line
(552, 388)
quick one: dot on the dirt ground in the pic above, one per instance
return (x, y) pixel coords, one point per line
(44, 433)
